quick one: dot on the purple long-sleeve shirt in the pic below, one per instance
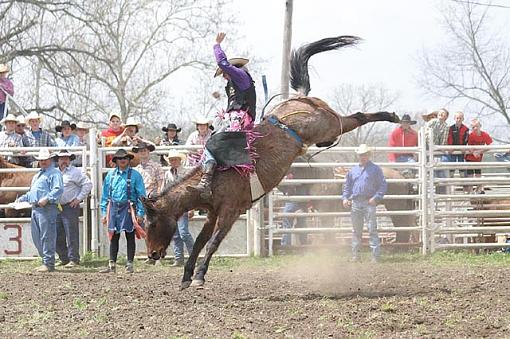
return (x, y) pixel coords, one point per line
(239, 77)
(7, 86)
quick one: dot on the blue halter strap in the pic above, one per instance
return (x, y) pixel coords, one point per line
(275, 122)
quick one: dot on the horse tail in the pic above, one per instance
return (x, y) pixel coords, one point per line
(299, 79)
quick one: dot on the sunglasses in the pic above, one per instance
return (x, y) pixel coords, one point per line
(123, 158)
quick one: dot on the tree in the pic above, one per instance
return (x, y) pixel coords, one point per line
(473, 64)
(348, 99)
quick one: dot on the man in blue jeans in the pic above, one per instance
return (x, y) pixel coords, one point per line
(45, 191)
(364, 188)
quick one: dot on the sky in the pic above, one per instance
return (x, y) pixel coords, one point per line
(394, 33)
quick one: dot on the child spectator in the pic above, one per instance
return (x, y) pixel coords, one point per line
(477, 137)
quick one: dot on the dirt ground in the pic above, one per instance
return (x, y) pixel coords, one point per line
(309, 296)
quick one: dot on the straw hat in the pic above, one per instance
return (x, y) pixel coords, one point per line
(9, 117)
(238, 62)
(20, 120)
(65, 153)
(33, 116)
(363, 149)
(122, 153)
(44, 154)
(202, 120)
(131, 121)
(175, 154)
(4, 68)
(82, 125)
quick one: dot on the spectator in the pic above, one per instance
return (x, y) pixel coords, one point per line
(130, 137)
(24, 160)
(45, 191)
(9, 137)
(6, 87)
(458, 135)
(439, 129)
(67, 137)
(364, 188)
(403, 136)
(113, 131)
(170, 138)
(198, 137)
(182, 235)
(477, 137)
(36, 136)
(121, 207)
(76, 188)
(82, 130)
(152, 173)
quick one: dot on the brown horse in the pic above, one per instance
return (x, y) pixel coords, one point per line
(300, 121)
(15, 179)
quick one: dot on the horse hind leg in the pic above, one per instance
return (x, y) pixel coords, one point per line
(202, 239)
(225, 222)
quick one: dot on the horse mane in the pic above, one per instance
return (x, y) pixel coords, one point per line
(169, 187)
(299, 78)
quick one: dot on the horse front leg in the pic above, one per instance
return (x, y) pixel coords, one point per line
(226, 219)
(202, 239)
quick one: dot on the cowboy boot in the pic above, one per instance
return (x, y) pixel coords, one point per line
(204, 186)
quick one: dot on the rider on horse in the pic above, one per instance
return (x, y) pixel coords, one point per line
(241, 108)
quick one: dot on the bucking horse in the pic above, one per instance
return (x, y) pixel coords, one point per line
(287, 130)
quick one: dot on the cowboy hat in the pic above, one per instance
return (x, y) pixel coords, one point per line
(202, 120)
(82, 125)
(65, 123)
(143, 145)
(4, 68)
(44, 154)
(238, 62)
(33, 116)
(20, 120)
(363, 149)
(9, 117)
(407, 119)
(171, 127)
(114, 115)
(131, 121)
(122, 153)
(65, 153)
(175, 154)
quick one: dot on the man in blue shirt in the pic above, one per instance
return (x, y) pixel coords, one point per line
(122, 189)
(45, 191)
(364, 187)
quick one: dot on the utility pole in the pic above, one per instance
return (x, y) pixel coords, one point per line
(287, 39)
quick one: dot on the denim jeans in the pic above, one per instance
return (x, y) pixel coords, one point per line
(405, 158)
(288, 222)
(441, 174)
(208, 157)
(182, 236)
(68, 234)
(362, 211)
(44, 232)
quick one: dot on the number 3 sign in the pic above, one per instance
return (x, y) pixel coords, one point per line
(14, 238)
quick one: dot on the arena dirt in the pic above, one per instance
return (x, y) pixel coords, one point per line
(313, 298)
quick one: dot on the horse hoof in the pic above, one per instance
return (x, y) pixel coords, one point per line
(198, 284)
(185, 285)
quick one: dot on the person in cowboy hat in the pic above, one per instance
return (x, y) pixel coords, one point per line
(6, 87)
(9, 137)
(241, 107)
(81, 131)
(76, 188)
(198, 137)
(36, 136)
(44, 194)
(129, 137)
(170, 138)
(182, 235)
(67, 138)
(364, 188)
(121, 207)
(403, 136)
(152, 173)
(20, 129)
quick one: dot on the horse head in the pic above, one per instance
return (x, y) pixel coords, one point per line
(160, 228)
